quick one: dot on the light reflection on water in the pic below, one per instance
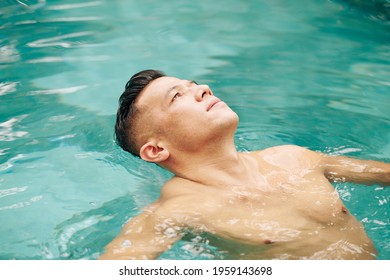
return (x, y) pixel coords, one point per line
(314, 75)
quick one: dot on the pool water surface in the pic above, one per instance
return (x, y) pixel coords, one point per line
(309, 73)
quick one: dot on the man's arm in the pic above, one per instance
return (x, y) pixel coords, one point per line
(367, 172)
(145, 236)
(335, 168)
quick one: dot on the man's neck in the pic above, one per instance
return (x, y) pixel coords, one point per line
(215, 166)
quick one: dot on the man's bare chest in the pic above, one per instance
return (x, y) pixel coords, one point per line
(281, 212)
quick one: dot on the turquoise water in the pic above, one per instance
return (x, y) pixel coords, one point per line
(311, 73)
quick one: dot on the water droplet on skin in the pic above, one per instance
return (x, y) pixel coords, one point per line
(126, 243)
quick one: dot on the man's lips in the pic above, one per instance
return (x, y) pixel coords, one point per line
(213, 103)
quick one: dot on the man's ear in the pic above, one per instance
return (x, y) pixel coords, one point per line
(152, 152)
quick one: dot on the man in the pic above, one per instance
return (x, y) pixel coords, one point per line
(277, 203)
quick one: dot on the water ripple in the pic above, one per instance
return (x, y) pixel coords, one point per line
(58, 90)
(6, 88)
(56, 59)
(12, 191)
(74, 5)
(57, 40)
(9, 53)
(7, 133)
(22, 203)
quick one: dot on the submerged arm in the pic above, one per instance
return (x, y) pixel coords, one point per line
(358, 171)
(145, 236)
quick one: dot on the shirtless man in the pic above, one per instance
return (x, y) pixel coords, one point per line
(277, 203)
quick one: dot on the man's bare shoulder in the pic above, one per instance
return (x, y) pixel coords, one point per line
(288, 155)
(178, 199)
(178, 189)
(285, 149)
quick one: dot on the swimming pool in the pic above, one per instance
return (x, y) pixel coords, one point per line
(310, 73)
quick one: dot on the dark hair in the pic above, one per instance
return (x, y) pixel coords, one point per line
(127, 112)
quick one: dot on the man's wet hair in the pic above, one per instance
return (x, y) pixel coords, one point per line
(126, 117)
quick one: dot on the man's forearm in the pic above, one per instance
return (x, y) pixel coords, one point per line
(366, 172)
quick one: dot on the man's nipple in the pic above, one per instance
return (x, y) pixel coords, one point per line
(268, 241)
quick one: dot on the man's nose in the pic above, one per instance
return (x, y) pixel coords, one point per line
(202, 92)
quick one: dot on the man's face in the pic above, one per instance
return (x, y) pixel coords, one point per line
(183, 113)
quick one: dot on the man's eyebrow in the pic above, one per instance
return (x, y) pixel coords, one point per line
(172, 88)
(190, 82)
